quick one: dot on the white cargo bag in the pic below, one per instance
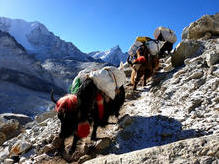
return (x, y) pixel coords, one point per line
(167, 34)
(82, 75)
(107, 79)
(134, 47)
(154, 47)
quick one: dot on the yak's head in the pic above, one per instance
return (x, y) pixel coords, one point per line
(69, 114)
(67, 110)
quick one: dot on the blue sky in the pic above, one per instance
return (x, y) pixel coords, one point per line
(102, 24)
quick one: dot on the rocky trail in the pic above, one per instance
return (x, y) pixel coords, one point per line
(173, 119)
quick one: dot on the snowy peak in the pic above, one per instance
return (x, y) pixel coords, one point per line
(38, 40)
(20, 29)
(113, 56)
(116, 48)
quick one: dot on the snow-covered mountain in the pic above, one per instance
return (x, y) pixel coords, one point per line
(33, 61)
(113, 56)
(38, 40)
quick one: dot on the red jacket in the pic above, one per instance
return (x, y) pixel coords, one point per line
(140, 60)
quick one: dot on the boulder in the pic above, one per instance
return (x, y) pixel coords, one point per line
(125, 121)
(185, 49)
(211, 57)
(42, 117)
(4, 153)
(195, 150)
(11, 125)
(8, 161)
(22, 119)
(8, 129)
(103, 144)
(21, 146)
(206, 27)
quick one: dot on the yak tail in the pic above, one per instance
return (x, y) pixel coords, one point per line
(52, 96)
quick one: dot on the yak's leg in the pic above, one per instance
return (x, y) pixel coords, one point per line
(133, 74)
(59, 144)
(145, 78)
(137, 79)
(74, 144)
(62, 145)
(94, 133)
(61, 141)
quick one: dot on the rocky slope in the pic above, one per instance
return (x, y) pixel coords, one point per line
(113, 56)
(174, 119)
(23, 79)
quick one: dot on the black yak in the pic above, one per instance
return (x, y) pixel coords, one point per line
(88, 106)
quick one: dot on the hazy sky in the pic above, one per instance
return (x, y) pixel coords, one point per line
(102, 24)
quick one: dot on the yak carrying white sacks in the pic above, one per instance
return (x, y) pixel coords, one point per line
(104, 80)
(168, 34)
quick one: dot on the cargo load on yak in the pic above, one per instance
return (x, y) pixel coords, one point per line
(164, 40)
(165, 34)
(107, 79)
(152, 45)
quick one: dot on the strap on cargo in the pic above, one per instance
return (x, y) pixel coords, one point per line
(114, 78)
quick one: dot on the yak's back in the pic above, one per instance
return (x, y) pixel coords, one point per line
(108, 80)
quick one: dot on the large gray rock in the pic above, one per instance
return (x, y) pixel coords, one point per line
(212, 57)
(207, 27)
(8, 129)
(22, 119)
(11, 125)
(185, 49)
(20, 147)
(196, 150)
(42, 117)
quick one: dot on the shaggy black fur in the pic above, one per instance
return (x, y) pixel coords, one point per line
(87, 110)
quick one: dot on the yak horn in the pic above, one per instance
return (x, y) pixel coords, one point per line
(128, 60)
(52, 96)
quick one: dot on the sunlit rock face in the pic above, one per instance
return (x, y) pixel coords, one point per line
(206, 27)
